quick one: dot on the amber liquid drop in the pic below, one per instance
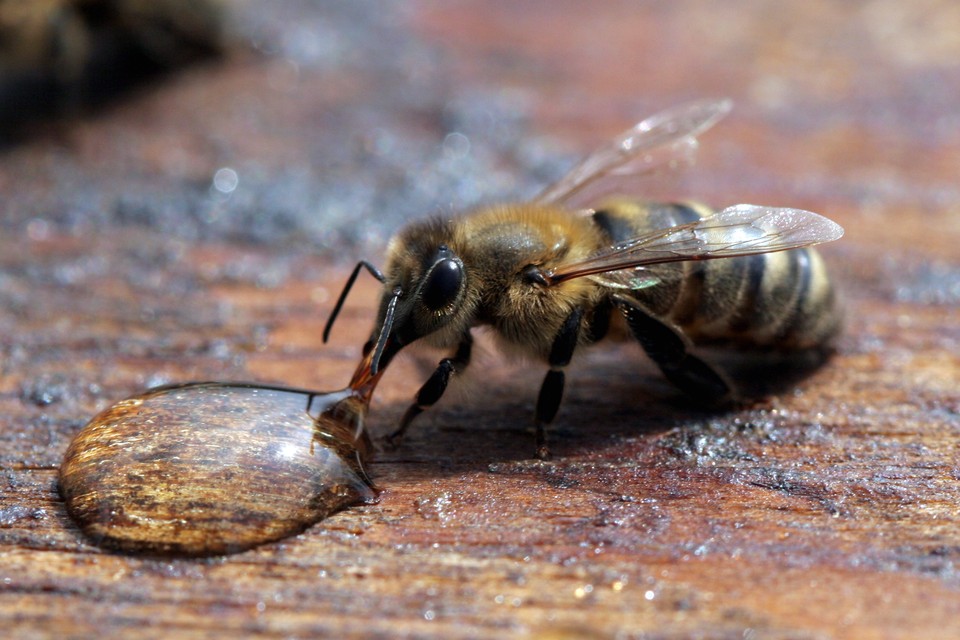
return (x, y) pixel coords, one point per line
(213, 467)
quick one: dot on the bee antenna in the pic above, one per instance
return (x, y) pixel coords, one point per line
(363, 264)
(385, 329)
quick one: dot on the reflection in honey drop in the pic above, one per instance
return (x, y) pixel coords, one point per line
(211, 468)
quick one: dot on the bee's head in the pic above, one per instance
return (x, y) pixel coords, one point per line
(425, 292)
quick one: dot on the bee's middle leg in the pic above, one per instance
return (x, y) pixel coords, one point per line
(436, 384)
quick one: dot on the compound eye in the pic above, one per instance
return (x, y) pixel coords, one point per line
(442, 285)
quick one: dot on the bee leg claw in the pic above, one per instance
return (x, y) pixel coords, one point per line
(394, 438)
(543, 450)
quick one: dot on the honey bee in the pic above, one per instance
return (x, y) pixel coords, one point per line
(552, 275)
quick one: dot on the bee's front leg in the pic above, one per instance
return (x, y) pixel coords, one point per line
(551, 391)
(433, 388)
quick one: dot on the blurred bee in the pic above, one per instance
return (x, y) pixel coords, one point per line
(43, 37)
(550, 276)
(75, 50)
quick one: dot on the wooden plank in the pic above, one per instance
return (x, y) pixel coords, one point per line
(828, 508)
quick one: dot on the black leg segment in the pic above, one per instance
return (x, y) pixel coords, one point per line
(551, 391)
(600, 322)
(436, 384)
(669, 350)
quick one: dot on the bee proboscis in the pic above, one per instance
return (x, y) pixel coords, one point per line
(552, 275)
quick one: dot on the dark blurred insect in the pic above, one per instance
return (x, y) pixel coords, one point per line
(60, 54)
(555, 274)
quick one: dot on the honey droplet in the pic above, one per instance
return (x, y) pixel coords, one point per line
(212, 468)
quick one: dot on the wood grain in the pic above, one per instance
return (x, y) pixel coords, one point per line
(830, 507)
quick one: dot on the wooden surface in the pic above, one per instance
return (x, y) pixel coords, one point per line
(829, 508)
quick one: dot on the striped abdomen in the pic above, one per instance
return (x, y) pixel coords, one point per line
(783, 300)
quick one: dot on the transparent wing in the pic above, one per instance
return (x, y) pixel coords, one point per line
(639, 278)
(664, 140)
(740, 230)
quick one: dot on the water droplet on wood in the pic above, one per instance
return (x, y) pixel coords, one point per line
(212, 468)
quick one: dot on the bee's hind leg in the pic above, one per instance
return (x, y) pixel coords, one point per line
(669, 349)
(433, 388)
